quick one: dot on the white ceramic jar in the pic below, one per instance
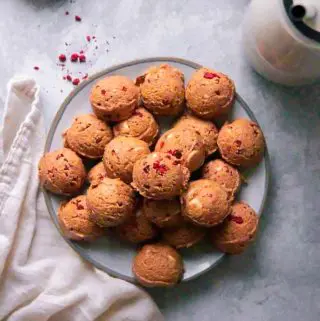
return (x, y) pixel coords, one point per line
(282, 40)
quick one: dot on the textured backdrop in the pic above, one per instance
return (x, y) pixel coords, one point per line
(276, 279)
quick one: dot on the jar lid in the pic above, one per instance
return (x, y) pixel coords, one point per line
(305, 16)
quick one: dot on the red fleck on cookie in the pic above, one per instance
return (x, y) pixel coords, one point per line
(237, 231)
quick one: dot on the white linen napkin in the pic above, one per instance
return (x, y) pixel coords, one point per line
(41, 278)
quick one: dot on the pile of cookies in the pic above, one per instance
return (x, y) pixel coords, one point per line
(146, 189)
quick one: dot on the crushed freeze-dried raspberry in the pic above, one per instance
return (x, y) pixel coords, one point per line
(103, 92)
(210, 75)
(140, 80)
(36, 68)
(82, 58)
(69, 78)
(85, 77)
(76, 81)
(62, 58)
(161, 145)
(74, 57)
(236, 219)
(77, 18)
(176, 153)
(88, 38)
(160, 168)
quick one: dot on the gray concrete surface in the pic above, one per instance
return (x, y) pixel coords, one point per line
(277, 279)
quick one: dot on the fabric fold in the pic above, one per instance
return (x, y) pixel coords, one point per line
(41, 278)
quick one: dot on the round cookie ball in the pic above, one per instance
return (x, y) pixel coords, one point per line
(160, 176)
(62, 172)
(88, 136)
(224, 174)
(97, 172)
(114, 98)
(158, 265)
(141, 125)
(205, 203)
(137, 229)
(241, 143)
(183, 236)
(162, 90)
(121, 154)
(164, 213)
(110, 201)
(237, 231)
(74, 220)
(209, 93)
(184, 144)
(206, 128)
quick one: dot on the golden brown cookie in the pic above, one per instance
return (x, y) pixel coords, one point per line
(158, 265)
(162, 90)
(209, 93)
(88, 136)
(97, 172)
(61, 172)
(141, 125)
(206, 128)
(137, 229)
(241, 143)
(205, 203)
(160, 176)
(110, 201)
(237, 231)
(114, 98)
(164, 213)
(74, 220)
(184, 144)
(184, 235)
(224, 174)
(121, 154)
